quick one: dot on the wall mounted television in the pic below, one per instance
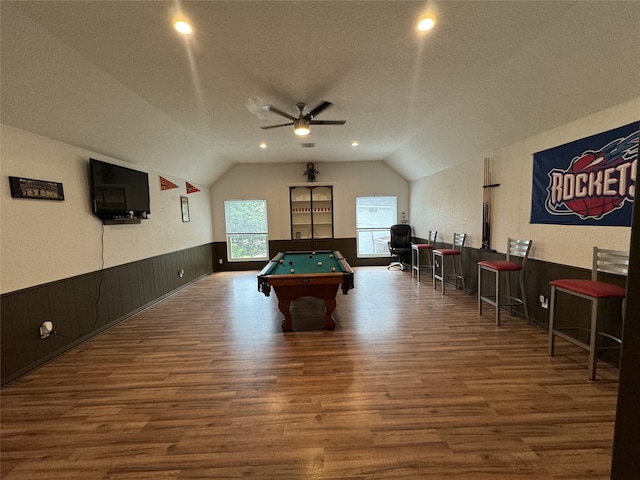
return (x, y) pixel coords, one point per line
(118, 194)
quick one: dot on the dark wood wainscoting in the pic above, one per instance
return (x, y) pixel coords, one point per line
(82, 306)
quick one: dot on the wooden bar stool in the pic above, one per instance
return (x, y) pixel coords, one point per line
(604, 261)
(416, 248)
(515, 248)
(455, 253)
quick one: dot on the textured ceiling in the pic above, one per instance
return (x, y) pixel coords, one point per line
(114, 77)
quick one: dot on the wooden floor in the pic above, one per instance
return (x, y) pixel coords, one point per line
(411, 384)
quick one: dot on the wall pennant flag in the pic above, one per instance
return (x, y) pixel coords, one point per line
(192, 188)
(166, 184)
(591, 181)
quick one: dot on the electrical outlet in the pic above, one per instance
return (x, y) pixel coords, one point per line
(219, 261)
(544, 301)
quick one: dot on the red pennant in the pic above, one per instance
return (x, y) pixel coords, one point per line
(166, 184)
(192, 188)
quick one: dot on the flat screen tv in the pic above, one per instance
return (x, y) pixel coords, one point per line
(118, 193)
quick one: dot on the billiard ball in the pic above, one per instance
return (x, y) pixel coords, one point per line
(293, 270)
(333, 269)
(281, 261)
(319, 264)
(331, 255)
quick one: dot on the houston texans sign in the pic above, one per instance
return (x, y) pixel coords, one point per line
(587, 182)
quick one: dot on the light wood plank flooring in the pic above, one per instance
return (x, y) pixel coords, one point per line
(411, 384)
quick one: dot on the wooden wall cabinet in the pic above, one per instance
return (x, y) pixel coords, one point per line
(311, 209)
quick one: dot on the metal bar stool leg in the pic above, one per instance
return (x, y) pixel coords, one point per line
(523, 295)
(440, 277)
(593, 349)
(552, 337)
(464, 287)
(509, 297)
(442, 272)
(456, 275)
(498, 298)
(415, 253)
(479, 290)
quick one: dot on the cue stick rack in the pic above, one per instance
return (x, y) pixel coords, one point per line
(487, 188)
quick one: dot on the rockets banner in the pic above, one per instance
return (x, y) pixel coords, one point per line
(591, 181)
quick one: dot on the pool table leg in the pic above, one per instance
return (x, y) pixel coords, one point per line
(287, 324)
(330, 306)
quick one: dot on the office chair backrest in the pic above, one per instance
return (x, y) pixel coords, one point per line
(518, 248)
(400, 236)
(609, 261)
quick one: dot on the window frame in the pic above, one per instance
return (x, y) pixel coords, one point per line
(231, 235)
(375, 229)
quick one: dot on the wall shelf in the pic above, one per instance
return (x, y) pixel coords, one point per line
(311, 208)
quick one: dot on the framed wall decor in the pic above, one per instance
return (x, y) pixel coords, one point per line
(184, 203)
(31, 188)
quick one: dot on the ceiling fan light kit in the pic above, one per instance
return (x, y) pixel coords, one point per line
(301, 127)
(302, 123)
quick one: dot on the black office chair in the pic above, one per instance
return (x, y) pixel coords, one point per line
(400, 244)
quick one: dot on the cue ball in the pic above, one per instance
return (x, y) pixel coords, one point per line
(292, 270)
(333, 269)
(319, 264)
(331, 255)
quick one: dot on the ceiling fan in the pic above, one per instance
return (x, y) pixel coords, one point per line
(301, 124)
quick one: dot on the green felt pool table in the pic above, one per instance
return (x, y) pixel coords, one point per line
(306, 274)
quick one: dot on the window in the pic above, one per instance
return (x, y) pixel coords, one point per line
(374, 217)
(246, 223)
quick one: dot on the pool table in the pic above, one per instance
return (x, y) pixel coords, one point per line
(306, 274)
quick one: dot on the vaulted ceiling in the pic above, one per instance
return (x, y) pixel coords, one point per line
(116, 78)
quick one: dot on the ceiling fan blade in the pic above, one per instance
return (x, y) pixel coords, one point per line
(276, 126)
(320, 108)
(278, 111)
(327, 122)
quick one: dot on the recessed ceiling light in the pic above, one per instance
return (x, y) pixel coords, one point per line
(183, 27)
(426, 24)
(354, 143)
(263, 145)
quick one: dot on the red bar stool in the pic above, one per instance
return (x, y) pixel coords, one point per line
(455, 253)
(604, 261)
(515, 248)
(416, 248)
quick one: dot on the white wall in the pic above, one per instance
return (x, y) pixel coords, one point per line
(449, 202)
(43, 241)
(272, 182)
(452, 200)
